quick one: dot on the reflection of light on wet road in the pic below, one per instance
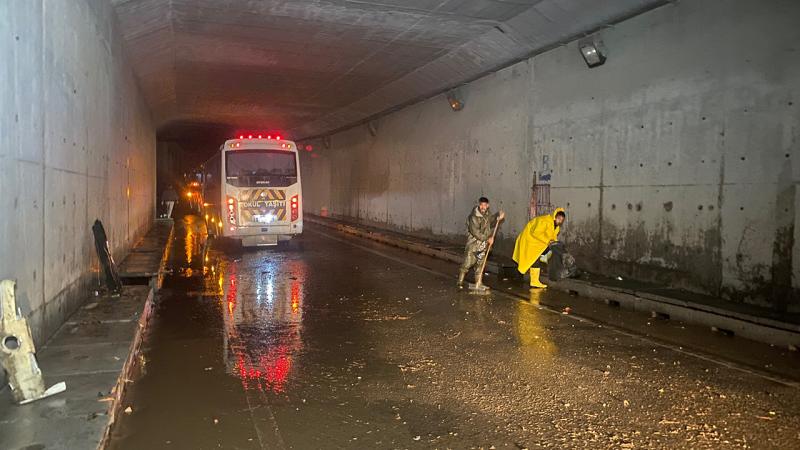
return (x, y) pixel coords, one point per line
(295, 297)
(265, 287)
(260, 290)
(533, 336)
(271, 371)
(190, 240)
(536, 296)
(232, 290)
(265, 283)
(263, 318)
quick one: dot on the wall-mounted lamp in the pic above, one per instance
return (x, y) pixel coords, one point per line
(593, 52)
(372, 126)
(456, 103)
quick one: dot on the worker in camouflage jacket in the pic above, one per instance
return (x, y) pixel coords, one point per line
(480, 225)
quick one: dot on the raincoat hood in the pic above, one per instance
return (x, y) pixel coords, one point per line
(534, 239)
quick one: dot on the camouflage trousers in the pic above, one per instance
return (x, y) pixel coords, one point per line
(473, 253)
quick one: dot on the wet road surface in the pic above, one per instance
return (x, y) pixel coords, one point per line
(340, 343)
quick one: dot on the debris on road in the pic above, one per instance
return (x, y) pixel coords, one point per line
(465, 373)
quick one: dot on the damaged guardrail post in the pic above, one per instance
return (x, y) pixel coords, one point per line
(18, 353)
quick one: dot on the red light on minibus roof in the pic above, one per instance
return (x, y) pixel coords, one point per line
(259, 136)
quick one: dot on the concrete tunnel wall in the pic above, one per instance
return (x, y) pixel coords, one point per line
(76, 144)
(677, 160)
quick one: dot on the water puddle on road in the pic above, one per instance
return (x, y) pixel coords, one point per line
(228, 324)
(344, 344)
(263, 312)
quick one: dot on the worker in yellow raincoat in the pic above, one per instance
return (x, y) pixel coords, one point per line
(534, 240)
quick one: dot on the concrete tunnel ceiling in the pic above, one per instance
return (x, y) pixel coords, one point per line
(309, 67)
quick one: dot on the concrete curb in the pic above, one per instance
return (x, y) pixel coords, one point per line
(760, 329)
(750, 327)
(119, 389)
(162, 267)
(116, 406)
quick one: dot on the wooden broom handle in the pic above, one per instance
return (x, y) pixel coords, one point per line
(488, 249)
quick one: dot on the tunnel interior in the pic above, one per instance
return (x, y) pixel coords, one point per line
(651, 152)
(676, 158)
(347, 312)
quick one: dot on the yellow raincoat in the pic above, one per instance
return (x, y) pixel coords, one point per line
(534, 239)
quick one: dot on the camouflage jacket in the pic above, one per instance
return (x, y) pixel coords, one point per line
(479, 227)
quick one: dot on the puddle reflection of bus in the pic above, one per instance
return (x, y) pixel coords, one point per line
(263, 319)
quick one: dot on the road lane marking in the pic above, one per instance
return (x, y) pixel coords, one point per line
(275, 440)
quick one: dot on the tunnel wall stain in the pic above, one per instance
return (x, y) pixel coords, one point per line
(76, 144)
(677, 160)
